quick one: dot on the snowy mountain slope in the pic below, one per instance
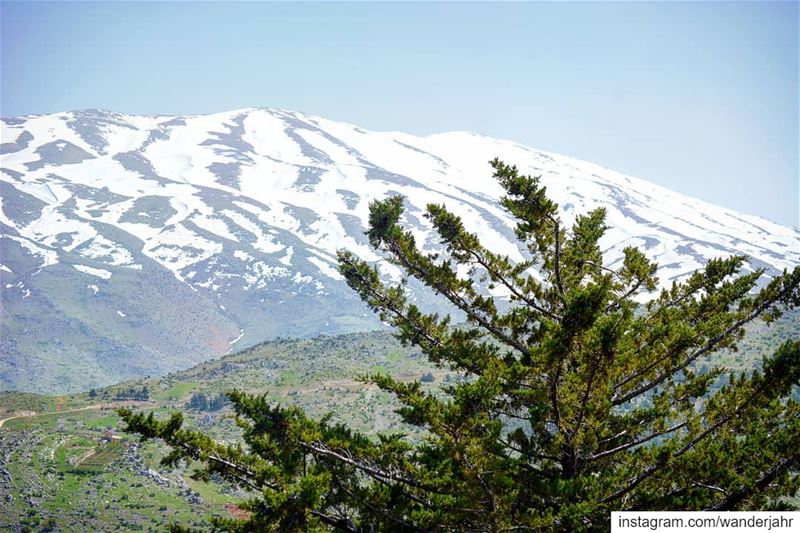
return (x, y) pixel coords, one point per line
(142, 244)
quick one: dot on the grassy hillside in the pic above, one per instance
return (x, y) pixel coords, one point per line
(60, 471)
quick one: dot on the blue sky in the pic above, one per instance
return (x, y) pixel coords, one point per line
(699, 97)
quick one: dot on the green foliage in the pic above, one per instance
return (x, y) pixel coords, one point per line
(573, 400)
(131, 393)
(207, 402)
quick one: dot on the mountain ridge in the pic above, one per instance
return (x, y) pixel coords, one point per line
(244, 110)
(138, 244)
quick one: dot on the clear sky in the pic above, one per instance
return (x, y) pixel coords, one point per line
(699, 97)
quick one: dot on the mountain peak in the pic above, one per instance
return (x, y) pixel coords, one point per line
(149, 242)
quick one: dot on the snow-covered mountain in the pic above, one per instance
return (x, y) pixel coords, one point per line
(141, 244)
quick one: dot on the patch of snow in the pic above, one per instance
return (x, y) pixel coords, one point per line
(234, 341)
(214, 225)
(244, 256)
(287, 259)
(49, 257)
(326, 268)
(53, 225)
(177, 247)
(122, 139)
(259, 274)
(108, 251)
(263, 242)
(267, 134)
(99, 272)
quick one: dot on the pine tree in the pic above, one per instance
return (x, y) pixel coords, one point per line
(198, 401)
(575, 399)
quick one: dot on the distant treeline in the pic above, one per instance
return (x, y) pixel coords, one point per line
(131, 393)
(207, 402)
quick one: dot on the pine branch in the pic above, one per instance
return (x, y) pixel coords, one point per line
(386, 304)
(495, 275)
(733, 500)
(340, 524)
(557, 257)
(689, 445)
(466, 245)
(710, 345)
(407, 526)
(320, 449)
(420, 272)
(634, 443)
